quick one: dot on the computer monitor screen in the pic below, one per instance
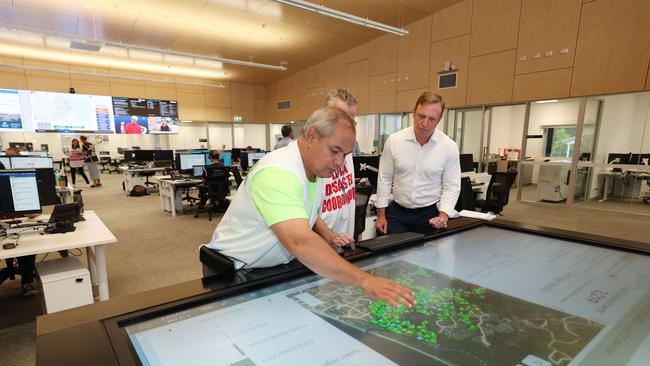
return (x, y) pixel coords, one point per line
(197, 171)
(253, 157)
(236, 153)
(640, 159)
(5, 161)
(188, 161)
(466, 163)
(226, 158)
(46, 182)
(65, 212)
(30, 162)
(18, 192)
(144, 155)
(163, 155)
(618, 158)
(366, 166)
(64, 112)
(485, 296)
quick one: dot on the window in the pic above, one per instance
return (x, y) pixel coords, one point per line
(559, 141)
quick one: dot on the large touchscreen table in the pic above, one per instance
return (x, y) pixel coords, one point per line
(484, 297)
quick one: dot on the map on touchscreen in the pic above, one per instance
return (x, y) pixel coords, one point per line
(454, 322)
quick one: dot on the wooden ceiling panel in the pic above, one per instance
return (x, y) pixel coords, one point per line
(262, 31)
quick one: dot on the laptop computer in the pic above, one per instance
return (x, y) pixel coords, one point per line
(389, 241)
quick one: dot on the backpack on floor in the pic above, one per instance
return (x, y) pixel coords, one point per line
(138, 191)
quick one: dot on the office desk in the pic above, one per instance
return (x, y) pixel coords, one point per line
(131, 176)
(91, 234)
(171, 198)
(632, 187)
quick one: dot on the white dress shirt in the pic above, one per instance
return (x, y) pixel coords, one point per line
(420, 175)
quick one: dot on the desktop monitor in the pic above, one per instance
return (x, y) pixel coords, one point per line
(186, 162)
(226, 158)
(253, 157)
(466, 163)
(18, 192)
(236, 153)
(618, 158)
(144, 155)
(366, 166)
(640, 159)
(163, 155)
(46, 182)
(198, 171)
(30, 162)
(5, 161)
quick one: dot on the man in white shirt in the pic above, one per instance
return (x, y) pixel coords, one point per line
(338, 204)
(422, 166)
(287, 137)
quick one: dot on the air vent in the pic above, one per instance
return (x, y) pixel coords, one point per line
(86, 46)
(283, 105)
(447, 80)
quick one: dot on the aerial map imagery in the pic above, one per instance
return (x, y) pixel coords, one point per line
(453, 323)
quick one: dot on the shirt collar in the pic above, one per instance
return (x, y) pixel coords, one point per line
(435, 137)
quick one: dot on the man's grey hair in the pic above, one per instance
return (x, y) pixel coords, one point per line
(340, 93)
(325, 120)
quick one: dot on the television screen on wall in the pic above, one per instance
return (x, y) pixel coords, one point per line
(63, 112)
(145, 116)
(11, 115)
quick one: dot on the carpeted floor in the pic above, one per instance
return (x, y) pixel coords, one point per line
(156, 250)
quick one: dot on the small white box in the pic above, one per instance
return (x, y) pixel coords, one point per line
(65, 283)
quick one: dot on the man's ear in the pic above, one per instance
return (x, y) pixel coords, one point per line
(311, 135)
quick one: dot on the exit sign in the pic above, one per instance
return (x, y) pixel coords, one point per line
(238, 118)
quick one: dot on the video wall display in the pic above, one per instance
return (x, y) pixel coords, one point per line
(10, 111)
(61, 112)
(145, 116)
(484, 297)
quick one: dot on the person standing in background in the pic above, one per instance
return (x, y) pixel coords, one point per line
(91, 160)
(76, 156)
(287, 137)
(337, 210)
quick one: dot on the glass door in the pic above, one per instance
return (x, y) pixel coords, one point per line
(469, 131)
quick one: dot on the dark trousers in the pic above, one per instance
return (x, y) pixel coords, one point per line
(25, 269)
(401, 219)
(73, 173)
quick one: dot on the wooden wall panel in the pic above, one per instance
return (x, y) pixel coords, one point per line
(242, 98)
(542, 85)
(491, 78)
(405, 99)
(547, 27)
(495, 24)
(191, 105)
(94, 85)
(613, 47)
(271, 89)
(13, 79)
(218, 97)
(216, 114)
(47, 81)
(260, 110)
(455, 50)
(413, 56)
(356, 80)
(335, 72)
(382, 90)
(452, 22)
(358, 53)
(165, 91)
(315, 76)
(647, 82)
(383, 54)
(259, 91)
(126, 88)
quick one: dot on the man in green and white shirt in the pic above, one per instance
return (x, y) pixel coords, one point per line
(274, 217)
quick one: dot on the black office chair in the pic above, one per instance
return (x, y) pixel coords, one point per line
(105, 162)
(237, 175)
(148, 174)
(466, 199)
(216, 188)
(498, 192)
(360, 209)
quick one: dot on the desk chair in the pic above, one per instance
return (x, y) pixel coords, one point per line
(148, 174)
(216, 188)
(360, 209)
(105, 162)
(498, 192)
(467, 197)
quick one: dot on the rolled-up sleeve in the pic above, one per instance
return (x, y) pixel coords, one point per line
(385, 176)
(450, 183)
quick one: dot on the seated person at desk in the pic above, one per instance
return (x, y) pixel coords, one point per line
(419, 184)
(25, 263)
(203, 189)
(274, 216)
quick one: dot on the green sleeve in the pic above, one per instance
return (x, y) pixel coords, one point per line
(278, 196)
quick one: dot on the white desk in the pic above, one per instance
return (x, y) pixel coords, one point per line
(131, 176)
(171, 199)
(91, 234)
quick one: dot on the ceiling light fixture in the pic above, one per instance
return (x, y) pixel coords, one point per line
(320, 9)
(547, 101)
(95, 45)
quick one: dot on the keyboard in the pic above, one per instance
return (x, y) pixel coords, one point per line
(388, 241)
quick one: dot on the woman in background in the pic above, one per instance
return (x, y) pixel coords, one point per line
(91, 160)
(76, 155)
